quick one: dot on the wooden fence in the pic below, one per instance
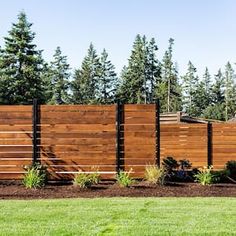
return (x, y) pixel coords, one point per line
(72, 138)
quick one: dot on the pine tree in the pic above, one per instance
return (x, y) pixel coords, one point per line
(169, 88)
(133, 85)
(140, 78)
(59, 77)
(85, 83)
(190, 80)
(107, 80)
(153, 71)
(21, 66)
(230, 92)
(216, 109)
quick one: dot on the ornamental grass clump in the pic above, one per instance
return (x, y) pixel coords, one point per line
(35, 176)
(86, 180)
(123, 178)
(155, 174)
(205, 176)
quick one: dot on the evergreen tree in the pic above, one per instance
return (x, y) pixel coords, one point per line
(85, 83)
(230, 100)
(21, 66)
(59, 77)
(216, 109)
(133, 85)
(140, 78)
(169, 88)
(153, 71)
(190, 80)
(107, 80)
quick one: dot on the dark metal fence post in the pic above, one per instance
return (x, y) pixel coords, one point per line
(118, 135)
(35, 122)
(158, 142)
(209, 144)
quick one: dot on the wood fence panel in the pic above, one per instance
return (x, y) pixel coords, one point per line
(15, 140)
(223, 144)
(185, 141)
(77, 138)
(139, 143)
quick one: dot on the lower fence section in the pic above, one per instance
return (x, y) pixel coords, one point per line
(84, 138)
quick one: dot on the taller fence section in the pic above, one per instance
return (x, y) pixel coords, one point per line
(78, 138)
(15, 140)
(223, 144)
(185, 141)
(139, 137)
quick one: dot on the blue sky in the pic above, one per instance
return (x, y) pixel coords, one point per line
(204, 30)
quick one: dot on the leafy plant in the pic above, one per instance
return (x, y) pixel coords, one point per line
(231, 168)
(205, 176)
(155, 175)
(123, 178)
(169, 163)
(85, 180)
(35, 176)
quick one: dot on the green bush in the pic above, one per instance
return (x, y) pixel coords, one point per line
(85, 180)
(205, 176)
(155, 175)
(123, 178)
(35, 176)
(231, 168)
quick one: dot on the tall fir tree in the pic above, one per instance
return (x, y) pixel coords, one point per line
(169, 89)
(230, 91)
(85, 85)
(190, 81)
(133, 85)
(21, 66)
(107, 80)
(59, 78)
(216, 109)
(139, 79)
(152, 72)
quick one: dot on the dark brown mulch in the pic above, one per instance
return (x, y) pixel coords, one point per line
(14, 190)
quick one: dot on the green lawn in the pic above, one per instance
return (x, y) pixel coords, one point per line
(119, 216)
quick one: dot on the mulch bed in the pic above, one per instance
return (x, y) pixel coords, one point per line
(15, 190)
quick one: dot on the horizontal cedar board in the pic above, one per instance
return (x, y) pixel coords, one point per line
(25, 135)
(78, 155)
(14, 149)
(139, 107)
(14, 108)
(77, 115)
(15, 128)
(15, 155)
(77, 127)
(11, 176)
(74, 108)
(77, 148)
(135, 134)
(138, 127)
(16, 115)
(16, 121)
(145, 115)
(138, 140)
(15, 142)
(79, 168)
(101, 161)
(76, 141)
(72, 120)
(139, 162)
(16, 162)
(139, 120)
(78, 135)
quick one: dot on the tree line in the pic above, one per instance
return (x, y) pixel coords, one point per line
(25, 75)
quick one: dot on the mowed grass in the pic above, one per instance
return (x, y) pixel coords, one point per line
(119, 216)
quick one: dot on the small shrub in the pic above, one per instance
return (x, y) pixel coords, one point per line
(205, 176)
(35, 176)
(123, 178)
(155, 175)
(85, 180)
(170, 164)
(231, 168)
